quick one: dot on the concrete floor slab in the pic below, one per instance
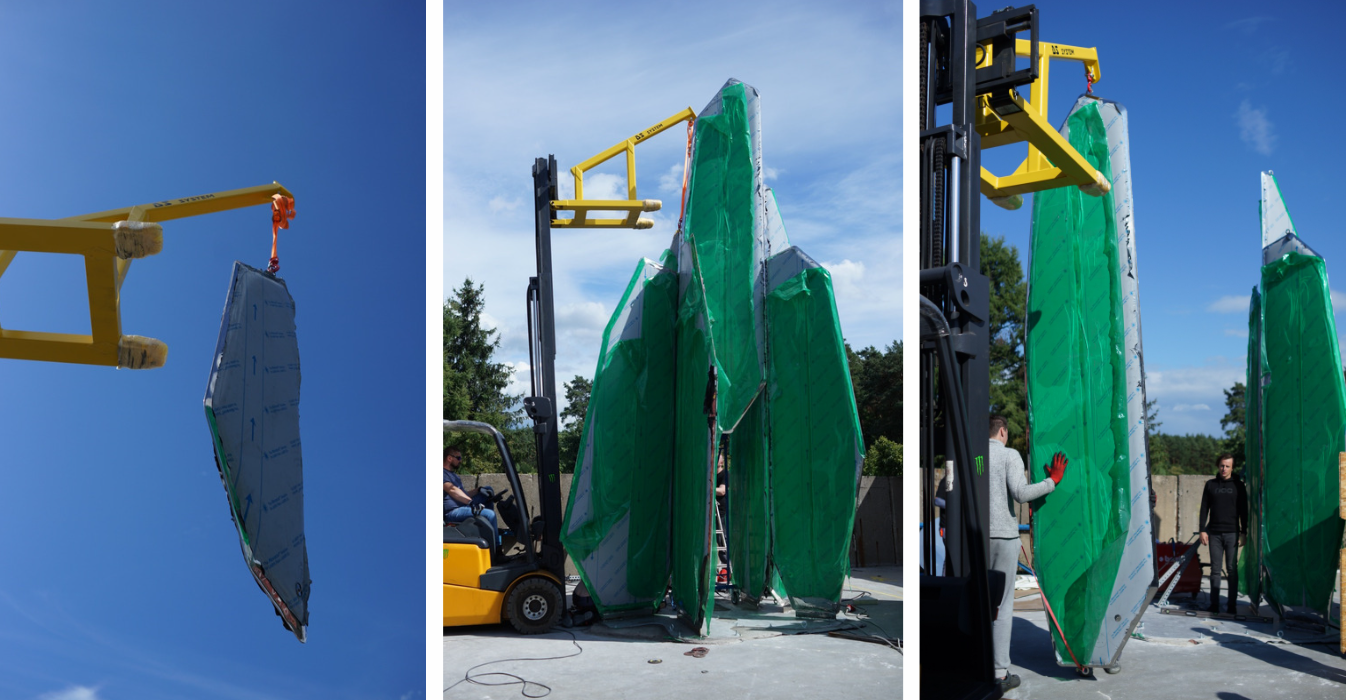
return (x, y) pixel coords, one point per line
(1190, 658)
(746, 658)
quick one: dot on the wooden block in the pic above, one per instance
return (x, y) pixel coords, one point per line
(1341, 467)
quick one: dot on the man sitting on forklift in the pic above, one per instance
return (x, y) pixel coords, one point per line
(458, 502)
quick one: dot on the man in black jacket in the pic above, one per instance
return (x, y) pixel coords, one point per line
(1225, 503)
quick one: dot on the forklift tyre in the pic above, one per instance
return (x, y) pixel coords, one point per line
(534, 606)
(1112, 670)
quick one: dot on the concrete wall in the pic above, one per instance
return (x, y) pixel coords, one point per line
(878, 540)
(1176, 515)
(875, 543)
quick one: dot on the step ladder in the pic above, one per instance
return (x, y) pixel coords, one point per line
(723, 573)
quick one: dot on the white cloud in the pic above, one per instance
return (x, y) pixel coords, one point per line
(1186, 394)
(500, 204)
(846, 277)
(835, 164)
(1276, 60)
(671, 181)
(1230, 304)
(74, 692)
(1248, 25)
(1255, 129)
(1236, 332)
(1338, 301)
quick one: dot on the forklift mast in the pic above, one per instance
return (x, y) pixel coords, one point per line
(956, 602)
(541, 404)
(971, 64)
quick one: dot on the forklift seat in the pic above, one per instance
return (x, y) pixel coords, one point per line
(475, 530)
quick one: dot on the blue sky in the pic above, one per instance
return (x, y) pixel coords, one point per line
(1216, 94)
(532, 79)
(122, 576)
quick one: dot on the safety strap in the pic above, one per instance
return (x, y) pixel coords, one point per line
(1048, 606)
(686, 166)
(282, 210)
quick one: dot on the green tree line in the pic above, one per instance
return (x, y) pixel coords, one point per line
(475, 384)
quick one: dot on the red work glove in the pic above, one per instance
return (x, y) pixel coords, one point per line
(1058, 467)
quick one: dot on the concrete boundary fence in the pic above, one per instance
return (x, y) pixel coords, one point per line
(877, 540)
(1176, 514)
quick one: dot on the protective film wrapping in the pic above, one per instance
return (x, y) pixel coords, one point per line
(1077, 397)
(1304, 404)
(724, 202)
(617, 527)
(696, 437)
(252, 408)
(1137, 578)
(816, 448)
(1250, 555)
(798, 439)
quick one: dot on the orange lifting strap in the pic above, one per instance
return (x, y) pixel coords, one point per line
(282, 210)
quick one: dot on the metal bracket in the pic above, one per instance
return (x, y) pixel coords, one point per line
(1004, 117)
(632, 206)
(108, 241)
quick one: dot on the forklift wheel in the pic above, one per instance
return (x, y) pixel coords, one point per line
(1112, 670)
(534, 606)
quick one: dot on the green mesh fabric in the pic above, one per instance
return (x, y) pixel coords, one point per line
(816, 447)
(798, 439)
(1077, 396)
(617, 531)
(1304, 404)
(720, 212)
(747, 525)
(694, 462)
(1250, 556)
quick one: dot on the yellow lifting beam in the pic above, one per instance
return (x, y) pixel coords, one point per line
(632, 206)
(1051, 161)
(108, 241)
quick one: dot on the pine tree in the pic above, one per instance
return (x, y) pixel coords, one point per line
(876, 378)
(1233, 422)
(572, 419)
(474, 383)
(1008, 305)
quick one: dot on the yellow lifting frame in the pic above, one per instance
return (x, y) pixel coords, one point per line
(108, 243)
(632, 206)
(1026, 120)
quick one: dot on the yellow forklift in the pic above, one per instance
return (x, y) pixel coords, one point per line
(482, 583)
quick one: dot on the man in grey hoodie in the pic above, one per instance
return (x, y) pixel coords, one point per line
(1007, 481)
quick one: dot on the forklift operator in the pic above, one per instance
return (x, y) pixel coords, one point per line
(458, 502)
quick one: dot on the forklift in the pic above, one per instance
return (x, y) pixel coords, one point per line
(483, 582)
(970, 63)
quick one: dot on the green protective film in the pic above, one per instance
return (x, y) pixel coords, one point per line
(719, 223)
(816, 447)
(617, 526)
(693, 454)
(1304, 404)
(1250, 555)
(747, 525)
(640, 511)
(1077, 397)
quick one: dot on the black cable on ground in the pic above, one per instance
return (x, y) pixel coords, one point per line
(867, 621)
(518, 680)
